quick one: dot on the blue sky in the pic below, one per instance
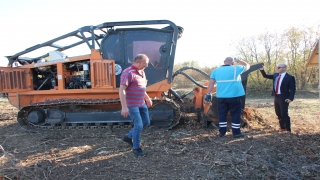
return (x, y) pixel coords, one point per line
(210, 27)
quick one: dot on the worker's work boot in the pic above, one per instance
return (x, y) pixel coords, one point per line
(127, 140)
(239, 135)
(138, 152)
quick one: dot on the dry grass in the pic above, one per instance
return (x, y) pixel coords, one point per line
(7, 112)
(304, 114)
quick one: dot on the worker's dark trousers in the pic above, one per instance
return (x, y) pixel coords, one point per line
(234, 106)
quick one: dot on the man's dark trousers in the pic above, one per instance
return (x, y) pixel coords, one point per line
(281, 108)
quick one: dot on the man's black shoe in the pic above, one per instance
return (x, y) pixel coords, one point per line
(127, 140)
(239, 135)
(138, 152)
(221, 135)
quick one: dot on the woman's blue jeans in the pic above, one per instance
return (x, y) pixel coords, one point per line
(140, 118)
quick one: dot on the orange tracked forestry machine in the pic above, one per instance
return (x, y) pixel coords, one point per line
(55, 92)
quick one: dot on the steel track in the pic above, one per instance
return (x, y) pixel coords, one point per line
(24, 123)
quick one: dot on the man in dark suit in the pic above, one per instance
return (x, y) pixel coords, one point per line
(284, 88)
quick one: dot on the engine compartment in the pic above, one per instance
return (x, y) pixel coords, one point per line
(77, 76)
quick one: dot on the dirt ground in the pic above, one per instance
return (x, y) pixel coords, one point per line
(189, 151)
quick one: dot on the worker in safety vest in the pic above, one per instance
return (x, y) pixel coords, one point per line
(229, 92)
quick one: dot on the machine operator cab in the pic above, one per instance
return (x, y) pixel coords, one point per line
(122, 45)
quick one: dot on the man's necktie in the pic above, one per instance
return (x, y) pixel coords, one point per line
(278, 84)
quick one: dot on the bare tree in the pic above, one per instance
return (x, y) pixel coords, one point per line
(293, 47)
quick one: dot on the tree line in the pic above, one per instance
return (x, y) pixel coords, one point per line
(293, 47)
